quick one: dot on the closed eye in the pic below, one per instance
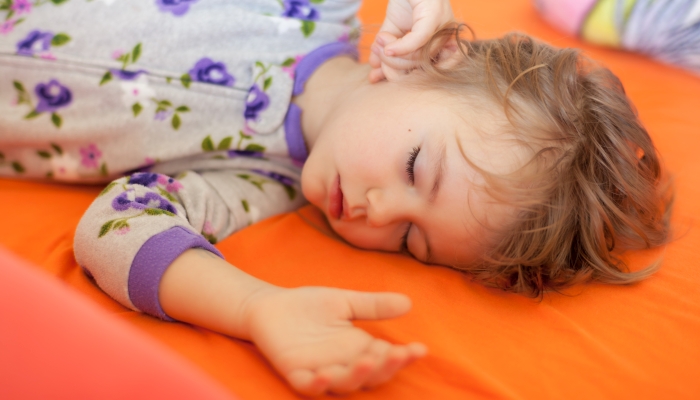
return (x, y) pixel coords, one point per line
(410, 163)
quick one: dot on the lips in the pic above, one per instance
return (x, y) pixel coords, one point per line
(335, 200)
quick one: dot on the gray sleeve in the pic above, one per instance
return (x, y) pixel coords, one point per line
(140, 224)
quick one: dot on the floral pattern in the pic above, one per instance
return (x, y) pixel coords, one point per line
(90, 156)
(257, 102)
(137, 94)
(52, 96)
(38, 43)
(301, 10)
(250, 149)
(209, 71)
(176, 7)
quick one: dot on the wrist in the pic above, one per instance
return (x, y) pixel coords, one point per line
(259, 305)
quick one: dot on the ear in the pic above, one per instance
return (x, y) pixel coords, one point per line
(449, 54)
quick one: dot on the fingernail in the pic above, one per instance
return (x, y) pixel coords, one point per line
(380, 41)
(375, 49)
(388, 52)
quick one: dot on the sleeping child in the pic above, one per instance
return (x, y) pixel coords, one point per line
(522, 165)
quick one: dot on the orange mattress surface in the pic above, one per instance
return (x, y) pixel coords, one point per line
(593, 341)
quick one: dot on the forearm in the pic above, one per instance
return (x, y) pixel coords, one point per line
(202, 289)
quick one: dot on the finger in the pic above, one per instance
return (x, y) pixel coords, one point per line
(377, 305)
(308, 382)
(406, 62)
(376, 75)
(417, 350)
(426, 21)
(397, 357)
(374, 56)
(359, 372)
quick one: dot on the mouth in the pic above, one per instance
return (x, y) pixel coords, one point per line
(335, 200)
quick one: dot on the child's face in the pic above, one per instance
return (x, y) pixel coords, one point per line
(357, 175)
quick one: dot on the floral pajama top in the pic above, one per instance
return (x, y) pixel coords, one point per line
(186, 103)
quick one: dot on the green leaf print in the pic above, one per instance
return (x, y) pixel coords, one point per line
(158, 211)
(57, 148)
(136, 53)
(255, 147)
(182, 109)
(18, 167)
(210, 238)
(105, 228)
(176, 122)
(307, 27)
(18, 85)
(107, 189)
(267, 83)
(58, 2)
(103, 169)
(106, 78)
(291, 192)
(244, 203)
(60, 39)
(167, 195)
(186, 80)
(31, 115)
(207, 144)
(225, 143)
(43, 154)
(137, 108)
(288, 62)
(56, 120)
(317, 1)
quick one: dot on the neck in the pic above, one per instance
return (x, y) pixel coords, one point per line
(327, 89)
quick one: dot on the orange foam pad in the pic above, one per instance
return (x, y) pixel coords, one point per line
(641, 341)
(56, 344)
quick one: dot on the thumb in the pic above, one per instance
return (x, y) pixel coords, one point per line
(371, 306)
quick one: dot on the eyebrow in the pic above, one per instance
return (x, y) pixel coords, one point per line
(438, 169)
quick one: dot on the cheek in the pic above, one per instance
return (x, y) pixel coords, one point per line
(359, 234)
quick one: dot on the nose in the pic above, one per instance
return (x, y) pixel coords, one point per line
(386, 206)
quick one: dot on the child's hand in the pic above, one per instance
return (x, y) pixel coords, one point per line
(408, 25)
(307, 335)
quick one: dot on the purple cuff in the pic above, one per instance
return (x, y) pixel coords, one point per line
(306, 67)
(293, 134)
(151, 261)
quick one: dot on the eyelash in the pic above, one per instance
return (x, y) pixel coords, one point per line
(411, 161)
(409, 170)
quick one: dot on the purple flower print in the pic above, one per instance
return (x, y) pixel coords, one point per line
(206, 70)
(21, 7)
(90, 156)
(149, 200)
(300, 9)
(35, 42)
(285, 180)
(244, 153)
(52, 96)
(176, 7)
(256, 103)
(146, 179)
(149, 179)
(162, 115)
(127, 75)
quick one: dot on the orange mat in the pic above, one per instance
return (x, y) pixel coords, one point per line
(595, 341)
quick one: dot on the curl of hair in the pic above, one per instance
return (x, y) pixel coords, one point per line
(598, 187)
